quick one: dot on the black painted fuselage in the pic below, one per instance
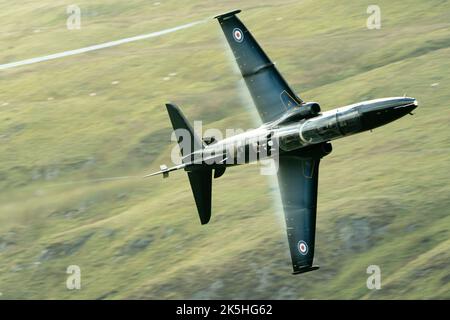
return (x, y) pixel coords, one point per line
(304, 134)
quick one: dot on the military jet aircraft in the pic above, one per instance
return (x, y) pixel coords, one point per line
(301, 131)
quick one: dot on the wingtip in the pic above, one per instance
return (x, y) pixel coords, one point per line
(227, 14)
(305, 269)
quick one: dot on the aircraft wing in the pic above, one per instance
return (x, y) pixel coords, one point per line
(270, 92)
(298, 179)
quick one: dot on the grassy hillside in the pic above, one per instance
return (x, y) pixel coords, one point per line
(67, 124)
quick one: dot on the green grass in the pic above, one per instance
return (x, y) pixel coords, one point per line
(383, 196)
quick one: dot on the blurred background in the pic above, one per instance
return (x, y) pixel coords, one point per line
(68, 125)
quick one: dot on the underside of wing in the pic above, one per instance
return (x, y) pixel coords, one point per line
(298, 180)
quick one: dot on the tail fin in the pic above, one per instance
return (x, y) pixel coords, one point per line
(201, 184)
(183, 130)
(270, 92)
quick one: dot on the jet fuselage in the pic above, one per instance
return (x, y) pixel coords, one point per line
(324, 127)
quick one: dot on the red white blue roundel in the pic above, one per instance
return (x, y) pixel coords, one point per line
(302, 247)
(238, 35)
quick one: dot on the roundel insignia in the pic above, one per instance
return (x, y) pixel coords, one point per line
(302, 247)
(238, 35)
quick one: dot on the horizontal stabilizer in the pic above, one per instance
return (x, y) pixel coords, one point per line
(183, 130)
(201, 184)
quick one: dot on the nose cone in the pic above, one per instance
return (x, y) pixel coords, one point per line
(380, 112)
(408, 103)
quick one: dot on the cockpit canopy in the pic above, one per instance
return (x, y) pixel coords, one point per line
(304, 111)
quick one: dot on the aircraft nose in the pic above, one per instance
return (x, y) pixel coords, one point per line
(407, 106)
(380, 113)
(415, 104)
